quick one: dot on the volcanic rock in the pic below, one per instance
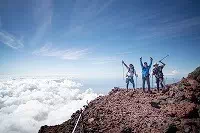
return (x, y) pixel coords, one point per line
(175, 110)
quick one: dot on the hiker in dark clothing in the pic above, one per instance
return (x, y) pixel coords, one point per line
(130, 74)
(157, 71)
(145, 73)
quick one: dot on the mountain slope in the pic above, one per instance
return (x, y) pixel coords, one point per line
(176, 109)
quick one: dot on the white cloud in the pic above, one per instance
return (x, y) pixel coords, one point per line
(81, 15)
(42, 14)
(172, 73)
(28, 103)
(43, 11)
(171, 29)
(68, 54)
(10, 40)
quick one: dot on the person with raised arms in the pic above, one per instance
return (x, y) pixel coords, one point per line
(157, 72)
(129, 75)
(145, 74)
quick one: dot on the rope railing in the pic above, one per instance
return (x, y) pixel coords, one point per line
(77, 122)
(81, 112)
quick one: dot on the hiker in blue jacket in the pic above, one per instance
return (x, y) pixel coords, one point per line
(145, 74)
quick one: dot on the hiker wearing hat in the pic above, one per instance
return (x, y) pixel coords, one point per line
(157, 71)
(130, 74)
(145, 74)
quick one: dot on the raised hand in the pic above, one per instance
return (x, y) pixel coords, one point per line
(151, 58)
(140, 58)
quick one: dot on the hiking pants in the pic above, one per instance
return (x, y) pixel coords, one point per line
(144, 79)
(130, 79)
(159, 81)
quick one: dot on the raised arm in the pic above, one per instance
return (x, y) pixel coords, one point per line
(125, 64)
(151, 60)
(163, 64)
(141, 62)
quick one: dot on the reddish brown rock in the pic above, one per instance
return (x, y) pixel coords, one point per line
(181, 110)
(177, 109)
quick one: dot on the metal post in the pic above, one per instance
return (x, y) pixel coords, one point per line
(136, 83)
(152, 81)
(123, 70)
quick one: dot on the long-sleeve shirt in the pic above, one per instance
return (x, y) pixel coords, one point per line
(131, 72)
(145, 70)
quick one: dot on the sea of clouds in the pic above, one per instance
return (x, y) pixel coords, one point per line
(28, 103)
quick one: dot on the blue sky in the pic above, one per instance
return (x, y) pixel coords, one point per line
(88, 39)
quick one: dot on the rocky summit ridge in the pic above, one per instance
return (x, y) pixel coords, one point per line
(174, 110)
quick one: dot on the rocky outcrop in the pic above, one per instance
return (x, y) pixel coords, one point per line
(175, 110)
(195, 74)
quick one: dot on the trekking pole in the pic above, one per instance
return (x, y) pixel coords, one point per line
(136, 83)
(165, 80)
(165, 83)
(123, 70)
(152, 81)
(164, 58)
